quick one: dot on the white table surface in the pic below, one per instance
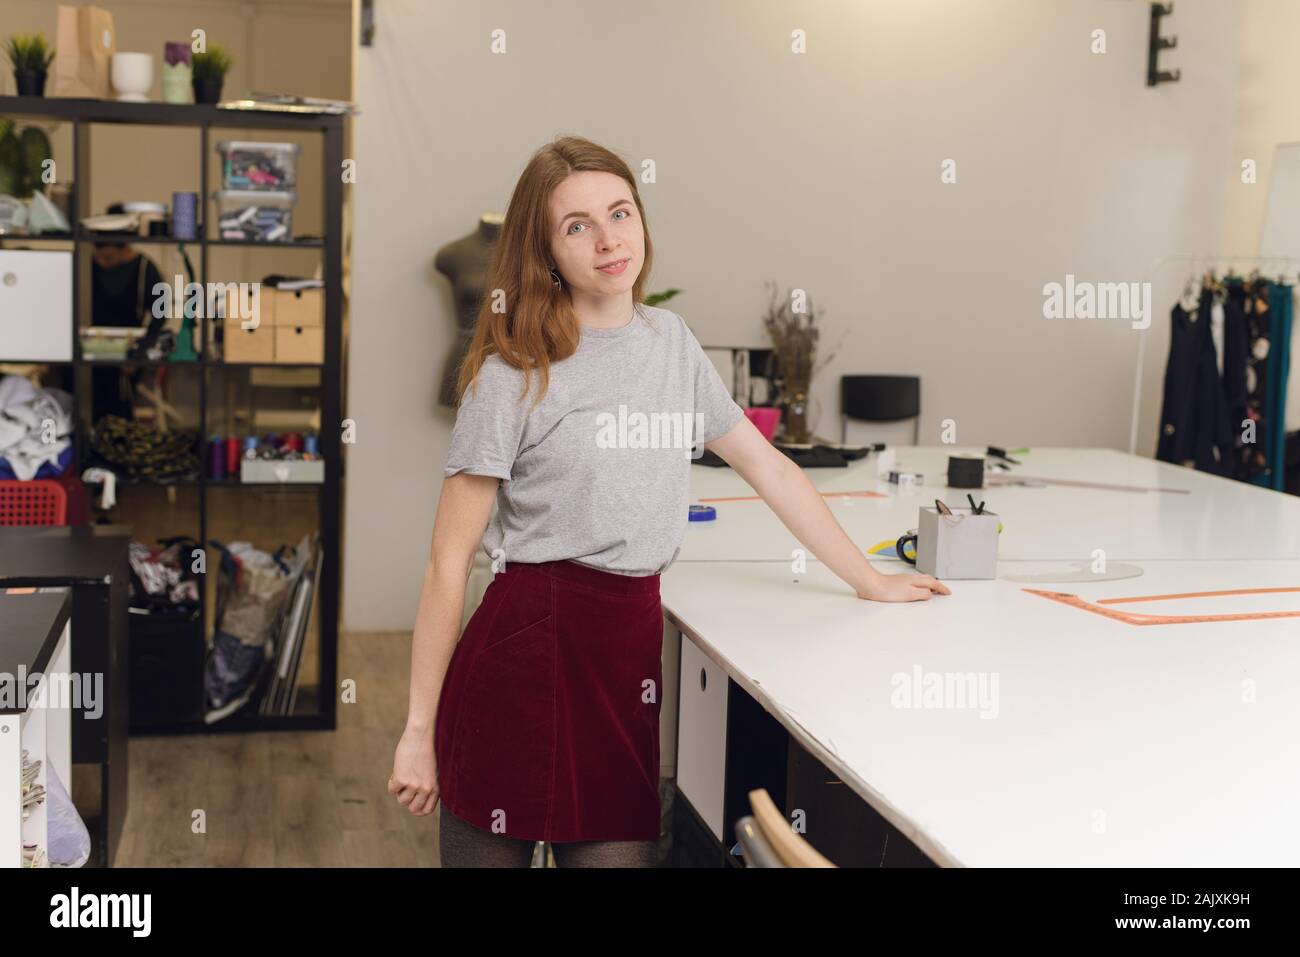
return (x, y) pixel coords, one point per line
(1112, 744)
(1218, 519)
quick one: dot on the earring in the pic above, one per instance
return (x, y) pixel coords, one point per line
(555, 279)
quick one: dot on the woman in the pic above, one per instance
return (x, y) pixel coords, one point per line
(546, 724)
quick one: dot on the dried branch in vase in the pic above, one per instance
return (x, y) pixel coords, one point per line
(795, 334)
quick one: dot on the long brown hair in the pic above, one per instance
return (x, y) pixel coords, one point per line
(538, 325)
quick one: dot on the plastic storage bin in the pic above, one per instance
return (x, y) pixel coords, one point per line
(255, 215)
(250, 165)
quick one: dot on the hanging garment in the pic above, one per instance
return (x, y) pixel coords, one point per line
(1195, 426)
(1280, 299)
(1252, 296)
(1292, 417)
(1216, 333)
(1233, 373)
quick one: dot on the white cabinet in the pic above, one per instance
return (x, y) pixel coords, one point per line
(702, 735)
(35, 305)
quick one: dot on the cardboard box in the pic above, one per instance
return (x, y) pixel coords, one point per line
(299, 343)
(248, 345)
(293, 307)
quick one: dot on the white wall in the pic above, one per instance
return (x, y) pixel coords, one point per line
(1267, 116)
(819, 171)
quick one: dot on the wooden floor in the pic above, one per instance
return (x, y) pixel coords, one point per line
(281, 798)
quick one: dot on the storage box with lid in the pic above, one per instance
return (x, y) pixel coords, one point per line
(246, 164)
(251, 215)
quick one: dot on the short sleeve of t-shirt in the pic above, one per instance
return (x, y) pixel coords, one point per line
(489, 423)
(712, 398)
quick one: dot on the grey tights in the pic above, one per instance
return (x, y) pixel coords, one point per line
(464, 845)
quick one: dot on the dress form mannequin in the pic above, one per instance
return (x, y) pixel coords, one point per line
(465, 264)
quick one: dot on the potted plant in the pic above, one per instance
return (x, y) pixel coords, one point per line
(31, 57)
(23, 153)
(210, 68)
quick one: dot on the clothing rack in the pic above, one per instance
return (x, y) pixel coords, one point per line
(1200, 265)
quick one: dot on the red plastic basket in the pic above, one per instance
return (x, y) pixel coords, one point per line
(37, 502)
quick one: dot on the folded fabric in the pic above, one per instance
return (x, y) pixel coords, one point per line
(35, 429)
(49, 470)
(15, 389)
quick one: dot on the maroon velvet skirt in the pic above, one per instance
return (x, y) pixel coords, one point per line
(548, 722)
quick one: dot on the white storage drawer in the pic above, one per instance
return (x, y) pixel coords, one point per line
(702, 735)
(36, 305)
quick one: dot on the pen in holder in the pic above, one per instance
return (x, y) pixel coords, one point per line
(963, 544)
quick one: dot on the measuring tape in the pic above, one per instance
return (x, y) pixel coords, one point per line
(1134, 618)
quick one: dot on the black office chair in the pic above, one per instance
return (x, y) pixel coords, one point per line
(880, 398)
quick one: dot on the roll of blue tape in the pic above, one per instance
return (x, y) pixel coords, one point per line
(702, 513)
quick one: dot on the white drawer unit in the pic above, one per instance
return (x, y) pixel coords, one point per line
(36, 305)
(702, 735)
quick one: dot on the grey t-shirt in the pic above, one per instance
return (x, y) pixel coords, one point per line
(599, 471)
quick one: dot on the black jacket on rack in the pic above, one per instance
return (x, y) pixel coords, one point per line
(1197, 424)
(1236, 349)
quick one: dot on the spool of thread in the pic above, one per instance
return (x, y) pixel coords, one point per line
(216, 458)
(966, 470)
(293, 440)
(702, 513)
(311, 444)
(232, 455)
(185, 215)
(250, 447)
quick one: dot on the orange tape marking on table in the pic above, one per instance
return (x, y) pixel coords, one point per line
(1135, 618)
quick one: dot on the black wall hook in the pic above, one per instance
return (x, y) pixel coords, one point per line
(1157, 43)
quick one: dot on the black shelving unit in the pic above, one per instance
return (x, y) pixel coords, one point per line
(84, 115)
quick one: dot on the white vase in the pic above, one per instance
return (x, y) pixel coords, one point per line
(132, 75)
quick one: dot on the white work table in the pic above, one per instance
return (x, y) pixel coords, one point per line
(1218, 518)
(1107, 743)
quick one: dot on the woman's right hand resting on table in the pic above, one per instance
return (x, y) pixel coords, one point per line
(786, 489)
